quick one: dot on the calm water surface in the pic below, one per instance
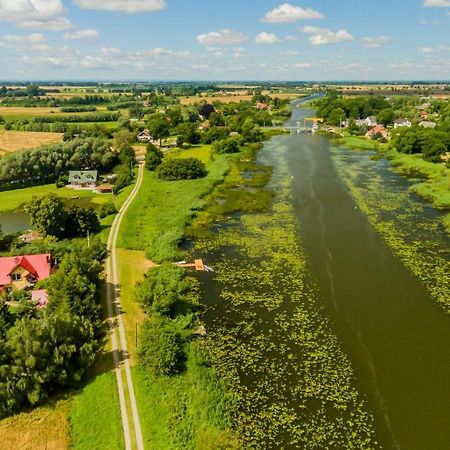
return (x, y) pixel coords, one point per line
(12, 222)
(396, 336)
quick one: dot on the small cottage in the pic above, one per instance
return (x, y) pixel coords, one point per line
(377, 132)
(402, 123)
(83, 178)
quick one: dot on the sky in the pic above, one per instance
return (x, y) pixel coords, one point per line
(223, 40)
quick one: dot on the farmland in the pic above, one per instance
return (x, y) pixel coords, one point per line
(11, 141)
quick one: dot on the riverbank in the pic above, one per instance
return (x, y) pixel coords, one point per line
(434, 186)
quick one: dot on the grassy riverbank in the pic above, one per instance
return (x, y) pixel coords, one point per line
(434, 184)
(190, 409)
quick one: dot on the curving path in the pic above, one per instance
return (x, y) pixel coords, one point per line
(132, 431)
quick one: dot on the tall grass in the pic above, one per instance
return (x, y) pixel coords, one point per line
(157, 218)
(186, 411)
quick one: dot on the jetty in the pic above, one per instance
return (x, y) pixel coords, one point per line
(198, 265)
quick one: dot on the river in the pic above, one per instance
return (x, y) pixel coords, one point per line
(387, 325)
(13, 222)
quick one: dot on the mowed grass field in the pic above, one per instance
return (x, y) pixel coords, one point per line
(11, 141)
(14, 200)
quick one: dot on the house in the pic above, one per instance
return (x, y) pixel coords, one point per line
(204, 126)
(427, 124)
(145, 136)
(261, 106)
(402, 123)
(370, 121)
(377, 132)
(23, 272)
(83, 178)
(424, 115)
(423, 107)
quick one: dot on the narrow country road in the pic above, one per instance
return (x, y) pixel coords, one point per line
(132, 432)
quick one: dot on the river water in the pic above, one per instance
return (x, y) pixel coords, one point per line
(388, 326)
(13, 222)
(394, 333)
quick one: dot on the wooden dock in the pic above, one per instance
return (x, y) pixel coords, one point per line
(197, 264)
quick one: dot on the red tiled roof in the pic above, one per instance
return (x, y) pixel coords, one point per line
(38, 265)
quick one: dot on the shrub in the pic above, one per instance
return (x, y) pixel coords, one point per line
(107, 209)
(230, 145)
(162, 289)
(181, 169)
(160, 348)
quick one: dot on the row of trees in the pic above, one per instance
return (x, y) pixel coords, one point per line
(47, 164)
(44, 351)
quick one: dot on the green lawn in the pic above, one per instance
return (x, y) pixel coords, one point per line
(202, 152)
(157, 218)
(359, 143)
(95, 420)
(14, 200)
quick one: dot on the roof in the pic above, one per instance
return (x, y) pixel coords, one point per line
(401, 121)
(427, 124)
(377, 129)
(40, 297)
(82, 176)
(38, 265)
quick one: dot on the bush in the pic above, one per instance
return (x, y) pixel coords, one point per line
(181, 169)
(107, 209)
(162, 290)
(226, 146)
(160, 348)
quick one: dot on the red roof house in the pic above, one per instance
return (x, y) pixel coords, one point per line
(377, 131)
(21, 272)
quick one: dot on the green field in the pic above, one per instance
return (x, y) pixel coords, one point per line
(14, 200)
(157, 218)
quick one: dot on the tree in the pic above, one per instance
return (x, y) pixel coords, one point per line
(159, 128)
(230, 145)
(160, 348)
(48, 214)
(187, 133)
(205, 110)
(173, 169)
(153, 157)
(386, 116)
(336, 116)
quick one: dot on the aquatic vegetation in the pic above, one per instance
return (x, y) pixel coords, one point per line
(414, 232)
(269, 337)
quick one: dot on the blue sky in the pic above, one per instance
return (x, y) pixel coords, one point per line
(225, 39)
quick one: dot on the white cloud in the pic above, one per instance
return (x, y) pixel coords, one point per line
(324, 36)
(292, 38)
(373, 42)
(126, 6)
(287, 13)
(433, 50)
(267, 38)
(84, 34)
(436, 3)
(34, 41)
(289, 53)
(302, 66)
(43, 14)
(221, 37)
